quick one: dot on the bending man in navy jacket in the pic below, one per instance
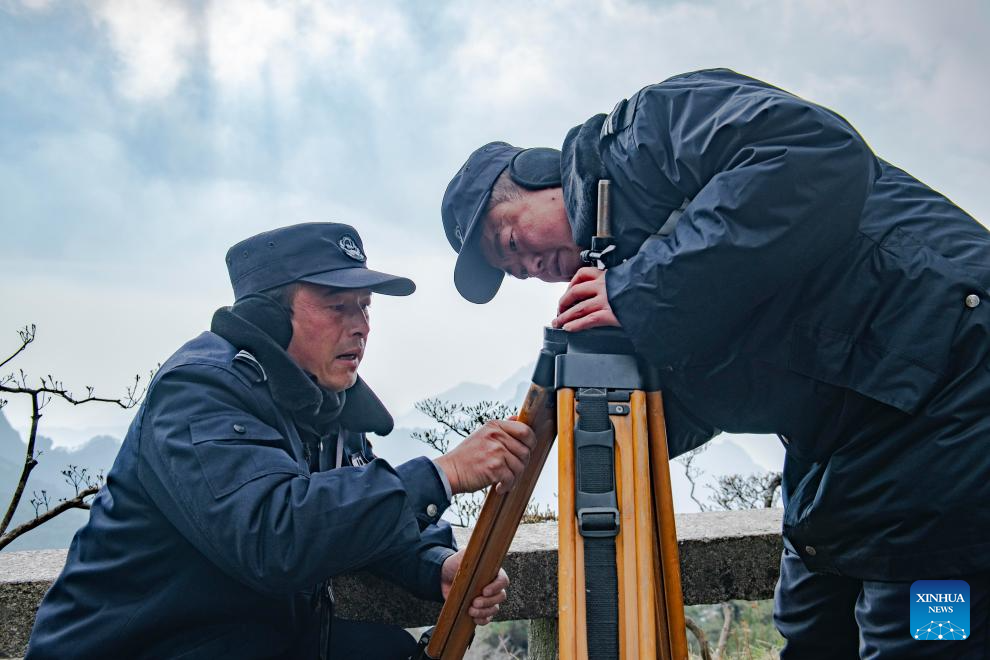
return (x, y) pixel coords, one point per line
(246, 482)
(784, 280)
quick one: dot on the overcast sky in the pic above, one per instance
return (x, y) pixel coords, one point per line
(139, 139)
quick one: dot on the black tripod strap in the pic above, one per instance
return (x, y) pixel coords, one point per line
(601, 598)
(598, 520)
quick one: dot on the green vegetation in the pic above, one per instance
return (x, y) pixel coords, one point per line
(752, 635)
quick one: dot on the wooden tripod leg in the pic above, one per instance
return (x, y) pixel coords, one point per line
(660, 603)
(625, 542)
(497, 523)
(664, 509)
(643, 585)
(646, 551)
(568, 630)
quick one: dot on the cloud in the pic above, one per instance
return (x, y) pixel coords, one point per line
(139, 139)
(243, 37)
(154, 40)
(37, 5)
(286, 51)
(243, 46)
(933, 64)
(489, 60)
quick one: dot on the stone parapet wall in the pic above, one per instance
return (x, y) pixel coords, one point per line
(724, 555)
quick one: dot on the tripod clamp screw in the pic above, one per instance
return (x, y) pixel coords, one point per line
(602, 254)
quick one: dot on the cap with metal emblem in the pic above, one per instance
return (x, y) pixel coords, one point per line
(326, 253)
(466, 200)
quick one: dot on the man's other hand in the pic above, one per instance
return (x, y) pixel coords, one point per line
(585, 303)
(484, 607)
(496, 453)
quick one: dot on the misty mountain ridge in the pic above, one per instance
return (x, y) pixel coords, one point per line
(74, 437)
(511, 391)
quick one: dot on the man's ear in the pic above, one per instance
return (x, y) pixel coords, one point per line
(268, 315)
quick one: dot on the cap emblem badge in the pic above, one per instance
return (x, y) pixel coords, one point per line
(350, 248)
(457, 234)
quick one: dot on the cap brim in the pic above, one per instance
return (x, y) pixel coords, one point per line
(475, 279)
(363, 278)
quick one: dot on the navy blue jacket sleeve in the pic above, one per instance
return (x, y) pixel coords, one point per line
(776, 185)
(417, 567)
(226, 481)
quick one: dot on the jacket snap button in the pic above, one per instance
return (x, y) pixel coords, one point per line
(431, 510)
(239, 428)
(972, 300)
(810, 549)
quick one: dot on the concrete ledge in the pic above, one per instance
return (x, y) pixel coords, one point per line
(724, 555)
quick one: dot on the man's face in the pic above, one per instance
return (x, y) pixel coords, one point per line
(329, 331)
(530, 237)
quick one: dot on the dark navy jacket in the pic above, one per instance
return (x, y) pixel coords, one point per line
(211, 532)
(786, 280)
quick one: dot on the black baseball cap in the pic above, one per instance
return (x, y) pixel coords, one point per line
(466, 200)
(327, 253)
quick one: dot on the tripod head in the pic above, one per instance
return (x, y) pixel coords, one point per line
(599, 357)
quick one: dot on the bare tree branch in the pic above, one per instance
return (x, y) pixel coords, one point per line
(444, 413)
(699, 634)
(435, 438)
(30, 461)
(693, 472)
(27, 334)
(735, 492)
(76, 502)
(462, 420)
(770, 492)
(80, 478)
(728, 615)
(49, 389)
(38, 501)
(467, 506)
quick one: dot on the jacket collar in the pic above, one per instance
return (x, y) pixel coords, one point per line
(581, 167)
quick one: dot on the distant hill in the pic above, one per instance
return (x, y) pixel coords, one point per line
(65, 436)
(8, 437)
(511, 391)
(7, 433)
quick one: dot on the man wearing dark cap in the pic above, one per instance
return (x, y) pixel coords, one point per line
(785, 280)
(245, 482)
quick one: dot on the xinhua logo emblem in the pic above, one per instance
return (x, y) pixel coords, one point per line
(940, 610)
